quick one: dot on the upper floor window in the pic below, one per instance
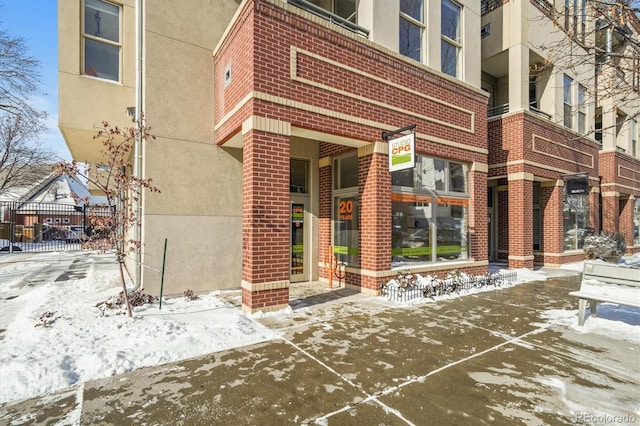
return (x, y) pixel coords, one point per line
(634, 138)
(411, 28)
(343, 8)
(568, 102)
(101, 39)
(451, 42)
(582, 114)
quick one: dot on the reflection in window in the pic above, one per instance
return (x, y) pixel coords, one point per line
(343, 8)
(298, 176)
(428, 229)
(433, 174)
(575, 216)
(430, 208)
(102, 39)
(346, 232)
(451, 42)
(568, 101)
(346, 172)
(411, 28)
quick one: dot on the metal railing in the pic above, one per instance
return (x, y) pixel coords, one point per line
(329, 16)
(438, 287)
(33, 226)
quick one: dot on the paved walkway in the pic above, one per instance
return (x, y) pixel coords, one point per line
(349, 359)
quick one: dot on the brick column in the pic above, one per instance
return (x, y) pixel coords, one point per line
(552, 206)
(375, 214)
(520, 220)
(626, 219)
(265, 221)
(594, 209)
(324, 225)
(478, 223)
(610, 211)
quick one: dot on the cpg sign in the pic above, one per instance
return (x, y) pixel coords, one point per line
(402, 152)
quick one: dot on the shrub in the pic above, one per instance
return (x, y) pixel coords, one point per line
(609, 247)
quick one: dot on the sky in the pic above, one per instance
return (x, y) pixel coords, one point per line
(37, 22)
(49, 344)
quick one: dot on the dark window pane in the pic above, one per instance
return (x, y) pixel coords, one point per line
(101, 60)
(410, 39)
(102, 20)
(412, 8)
(450, 20)
(449, 59)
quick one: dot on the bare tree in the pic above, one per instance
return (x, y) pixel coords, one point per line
(21, 124)
(22, 156)
(603, 38)
(113, 177)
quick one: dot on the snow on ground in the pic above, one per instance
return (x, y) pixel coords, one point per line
(55, 336)
(81, 344)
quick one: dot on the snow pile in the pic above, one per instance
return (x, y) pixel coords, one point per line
(58, 336)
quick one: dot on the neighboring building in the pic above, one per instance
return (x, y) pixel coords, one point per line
(49, 209)
(273, 122)
(552, 178)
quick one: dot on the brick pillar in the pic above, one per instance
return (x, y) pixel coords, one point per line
(324, 225)
(626, 220)
(520, 220)
(265, 221)
(478, 223)
(552, 205)
(610, 211)
(375, 214)
(594, 209)
(503, 222)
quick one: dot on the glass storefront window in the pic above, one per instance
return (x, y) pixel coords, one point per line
(346, 215)
(411, 230)
(575, 216)
(430, 210)
(346, 172)
(346, 233)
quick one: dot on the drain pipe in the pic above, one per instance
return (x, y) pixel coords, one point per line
(137, 150)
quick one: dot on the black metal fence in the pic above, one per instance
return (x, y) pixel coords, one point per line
(404, 290)
(33, 226)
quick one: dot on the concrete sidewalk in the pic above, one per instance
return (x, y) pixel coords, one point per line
(345, 358)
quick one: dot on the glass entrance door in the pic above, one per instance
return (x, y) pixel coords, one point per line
(298, 240)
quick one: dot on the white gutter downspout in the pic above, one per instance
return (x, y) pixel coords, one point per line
(137, 150)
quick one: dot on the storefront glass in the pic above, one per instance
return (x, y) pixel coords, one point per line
(430, 210)
(575, 216)
(346, 214)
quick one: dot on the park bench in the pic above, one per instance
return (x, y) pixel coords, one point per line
(603, 282)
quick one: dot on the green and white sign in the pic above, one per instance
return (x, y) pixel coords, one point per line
(402, 152)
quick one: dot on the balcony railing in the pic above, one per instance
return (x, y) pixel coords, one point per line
(504, 108)
(497, 110)
(488, 5)
(331, 17)
(544, 5)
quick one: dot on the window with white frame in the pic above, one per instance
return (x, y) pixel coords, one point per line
(430, 212)
(634, 138)
(582, 109)
(101, 39)
(451, 41)
(411, 28)
(568, 101)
